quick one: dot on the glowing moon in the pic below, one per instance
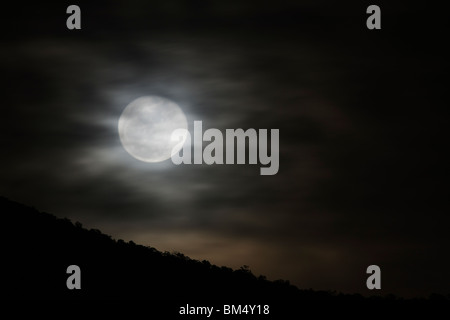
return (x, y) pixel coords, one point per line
(146, 126)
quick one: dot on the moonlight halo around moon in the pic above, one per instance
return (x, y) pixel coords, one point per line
(146, 126)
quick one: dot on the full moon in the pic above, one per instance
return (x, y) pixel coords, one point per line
(146, 126)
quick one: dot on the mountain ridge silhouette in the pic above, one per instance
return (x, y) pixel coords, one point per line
(38, 247)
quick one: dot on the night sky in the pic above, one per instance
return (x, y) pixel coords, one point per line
(363, 119)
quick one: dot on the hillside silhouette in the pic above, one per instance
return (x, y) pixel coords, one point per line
(37, 248)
